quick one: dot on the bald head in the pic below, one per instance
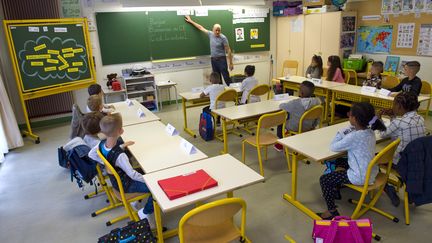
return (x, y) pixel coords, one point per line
(217, 29)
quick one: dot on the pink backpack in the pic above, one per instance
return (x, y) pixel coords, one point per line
(341, 230)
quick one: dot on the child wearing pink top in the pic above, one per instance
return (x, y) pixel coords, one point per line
(334, 72)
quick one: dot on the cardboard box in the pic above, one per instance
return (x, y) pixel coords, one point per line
(312, 3)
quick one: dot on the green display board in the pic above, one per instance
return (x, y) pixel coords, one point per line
(256, 36)
(50, 54)
(127, 37)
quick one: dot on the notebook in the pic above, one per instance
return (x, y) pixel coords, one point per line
(183, 185)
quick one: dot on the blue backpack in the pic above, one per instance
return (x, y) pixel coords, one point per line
(206, 126)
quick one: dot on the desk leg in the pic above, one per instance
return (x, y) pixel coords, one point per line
(158, 219)
(185, 127)
(293, 197)
(176, 98)
(327, 104)
(333, 108)
(225, 137)
(230, 194)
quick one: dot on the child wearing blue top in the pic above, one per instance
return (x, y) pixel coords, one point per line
(359, 141)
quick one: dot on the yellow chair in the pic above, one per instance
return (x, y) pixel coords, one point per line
(113, 203)
(265, 139)
(325, 72)
(214, 222)
(351, 74)
(287, 64)
(389, 82)
(426, 90)
(384, 158)
(229, 95)
(314, 113)
(259, 90)
(394, 180)
(290, 239)
(125, 198)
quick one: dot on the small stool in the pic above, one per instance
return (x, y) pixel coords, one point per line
(166, 85)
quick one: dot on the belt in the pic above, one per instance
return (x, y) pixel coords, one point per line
(218, 58)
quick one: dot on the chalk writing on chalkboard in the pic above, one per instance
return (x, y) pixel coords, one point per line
(47, 58)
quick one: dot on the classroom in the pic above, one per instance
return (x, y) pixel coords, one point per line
(215, 121)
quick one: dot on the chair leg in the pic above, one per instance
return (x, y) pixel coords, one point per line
(265, 153)
(406, 207)
(288, 159)
(243, 152)
(260, 160)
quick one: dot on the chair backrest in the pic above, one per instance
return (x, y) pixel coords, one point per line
(314, 113)
(271, 120)
(385, 157)
(389, 82)
(195, 225)
(290, 64)
(426, 88)
(229, 95)
(325, 71)
(352, 74)
(347, 76)
(259, 90)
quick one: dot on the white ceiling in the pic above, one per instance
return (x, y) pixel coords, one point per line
(156, 3)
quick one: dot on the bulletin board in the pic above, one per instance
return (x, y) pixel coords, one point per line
(373, 7)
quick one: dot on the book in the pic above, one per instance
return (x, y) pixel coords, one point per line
(183, 185)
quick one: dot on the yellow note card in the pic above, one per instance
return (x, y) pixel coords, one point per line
(63, 67)
(77, 64)
(34, 57)
(53, 61)
(72, 70)
(36, 64)
(49, 69)
(54, 52)
(78, 50)
(258, 46)
(62, 60)
(39, 47)
(64, 50)
(67, 55)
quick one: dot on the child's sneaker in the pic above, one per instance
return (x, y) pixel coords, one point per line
(149, 217)
(278, 147)
(135, 205)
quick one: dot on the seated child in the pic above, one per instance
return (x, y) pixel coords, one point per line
(132, 181)
(248, 84)
(411, 83)
(335, 72)
(94, 103)
(213, 91)
(405, 124)
(296, 108)
(96, 89)
(374, 78)
(359, 141)
(90, 123)
(315, 69)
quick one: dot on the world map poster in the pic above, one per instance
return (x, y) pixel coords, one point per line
(374, 39)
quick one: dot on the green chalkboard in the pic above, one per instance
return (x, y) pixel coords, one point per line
(50, 54)
(256, 36)
(126, 37)
(123, 37)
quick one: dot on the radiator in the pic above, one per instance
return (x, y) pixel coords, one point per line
(39, 9)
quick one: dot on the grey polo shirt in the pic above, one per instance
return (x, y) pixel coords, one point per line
(217, 44)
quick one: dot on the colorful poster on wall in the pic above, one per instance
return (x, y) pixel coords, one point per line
(254, 34)
(424, 47)
(391, 64)
(386, 7)
(396, 6)
(407, 6)
(428, 6)
(239, 33)
(419, 6)
(374, 39)
(405, 36)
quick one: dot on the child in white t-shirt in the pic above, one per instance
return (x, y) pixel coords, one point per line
(213, 91)
(248, 84)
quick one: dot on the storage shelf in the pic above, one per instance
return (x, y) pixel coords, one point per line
(143, 82)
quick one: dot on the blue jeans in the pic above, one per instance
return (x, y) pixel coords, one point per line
(219, 65)
(137, 186)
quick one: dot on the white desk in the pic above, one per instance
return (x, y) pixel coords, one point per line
(154, 149)
(322, 89)
(193, 99)
(230, 174)
(314, 145)
(353, 93)
(130, 113)
(166, 85)
(235, 113)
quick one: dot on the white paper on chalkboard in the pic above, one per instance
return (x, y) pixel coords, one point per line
(60, 30)
(201, 12)
(33, 29)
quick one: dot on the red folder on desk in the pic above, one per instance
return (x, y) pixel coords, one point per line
(180, 186)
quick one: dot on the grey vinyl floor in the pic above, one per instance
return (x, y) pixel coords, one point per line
(38, 202)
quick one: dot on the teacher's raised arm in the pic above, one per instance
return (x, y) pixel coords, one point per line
(219, 49)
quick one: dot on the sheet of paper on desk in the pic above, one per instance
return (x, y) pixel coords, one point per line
(187, 147)
(316, 80)
(140, 113)
(129, 102)
(281, 97)
(368, 89)
(235, 85)
(171, 130)
(384, 92)
(197, 89)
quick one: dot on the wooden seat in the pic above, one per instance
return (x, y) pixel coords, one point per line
(214, 222)
(389, 82)
(262, 139)
(125, 198)
(385, 159)
(425, 90)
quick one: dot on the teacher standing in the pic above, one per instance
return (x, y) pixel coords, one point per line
(219, 49)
